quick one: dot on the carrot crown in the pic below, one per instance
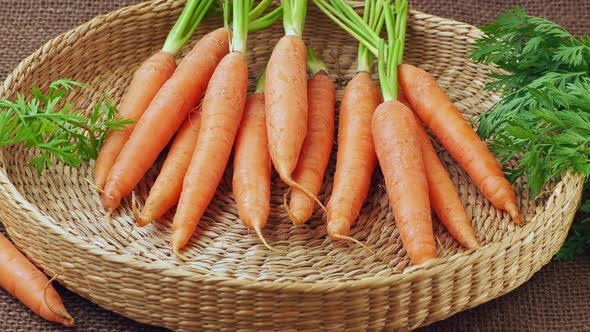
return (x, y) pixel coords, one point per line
(246, 18)
(185, 26)
(294, 16)
(315, 63)
(260, 83)
(366, 30)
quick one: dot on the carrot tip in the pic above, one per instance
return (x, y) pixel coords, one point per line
(94, 186)
(348, 238)
(289, 181)
(512, 209)
(261, 237)
(296, 220)
(68, 320)
(179, 255)
(137, 215)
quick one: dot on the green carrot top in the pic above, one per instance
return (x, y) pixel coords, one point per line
(366, 30)
(187, 23)
(294, 12)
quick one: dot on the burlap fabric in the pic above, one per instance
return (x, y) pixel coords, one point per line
(557, 298)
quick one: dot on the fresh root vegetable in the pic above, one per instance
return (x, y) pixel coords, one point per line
(19, 277)
(398, 147)
(165, 192)
(315, 153)
(439, 113)
(286, 96)
(145, 84)
(169, 108)
(400, 157)
(443, 195)
(356, 158)
(252, 165)
(222, 111)
(393, 127)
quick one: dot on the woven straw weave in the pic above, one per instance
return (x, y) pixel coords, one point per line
(231, 280)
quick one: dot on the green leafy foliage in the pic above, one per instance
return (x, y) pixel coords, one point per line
(51, 126)
(544, 78)
(544, 113)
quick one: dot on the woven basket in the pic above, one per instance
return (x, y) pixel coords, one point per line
(231, 280)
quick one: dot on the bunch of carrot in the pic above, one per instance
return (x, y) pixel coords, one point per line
(415, 179)
(202, 108)
(288, 123)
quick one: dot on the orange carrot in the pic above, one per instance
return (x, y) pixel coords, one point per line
(146, 82)
(443, 195)
(400, 156)
(439, 113)
(315, 154)
(285, 96)
(286, 104)
(168, 186)
(252, 166)
(19, 277)
(170, 107)
(222, 110)
(356, 157)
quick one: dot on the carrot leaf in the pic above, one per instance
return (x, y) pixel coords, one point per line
(187, 23)
(544, 114)
(59, 134)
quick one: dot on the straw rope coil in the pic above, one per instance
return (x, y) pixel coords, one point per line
(232, 281)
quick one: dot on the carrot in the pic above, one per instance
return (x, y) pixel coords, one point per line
(439, 113)
(393, 126)
(286, 96)
(222, 111)
(166, 190)
(252, 166)
(19, 277)
(356, 158)
(315, 153)
(443, 195)
(146, 82)
(170, 107)
(400, 156)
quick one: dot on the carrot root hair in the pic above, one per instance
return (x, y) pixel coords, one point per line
(263, 240)
(69, 320)
(137, 215)
(349, 238)
(290, 182)
(95, 187)
(179, 255)
(512, 209)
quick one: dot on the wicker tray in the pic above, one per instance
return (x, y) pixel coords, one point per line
(232, 281)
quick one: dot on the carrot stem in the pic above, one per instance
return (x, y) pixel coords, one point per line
(265, 21)
(260, 83)
(314, 63)
(185, 26)
(294, 16)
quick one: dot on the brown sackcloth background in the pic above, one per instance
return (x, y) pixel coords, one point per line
(555, 299)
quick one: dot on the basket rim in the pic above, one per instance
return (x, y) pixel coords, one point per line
(434, 266)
